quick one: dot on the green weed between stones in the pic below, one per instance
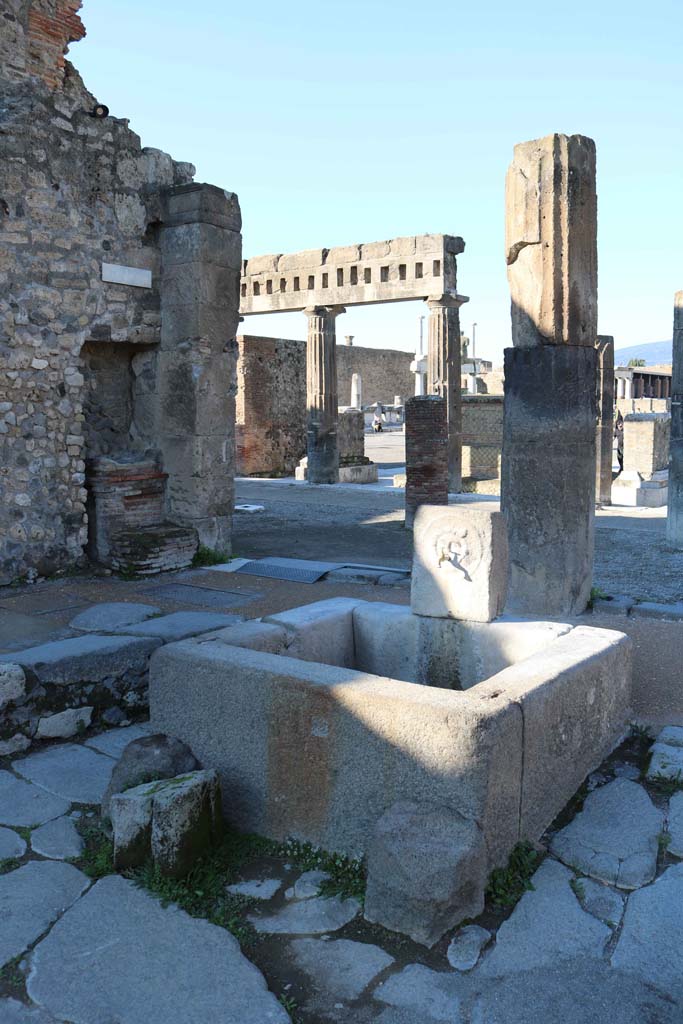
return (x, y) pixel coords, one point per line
(578, 888)
(97, 859)
(208, 556)
(666, 785)
(10, 864)
(663, 841)
(507, 885)
(596, 595)
(11, 975)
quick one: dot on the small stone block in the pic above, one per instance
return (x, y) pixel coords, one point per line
(653, 610)
(460, 563)
(619, 604)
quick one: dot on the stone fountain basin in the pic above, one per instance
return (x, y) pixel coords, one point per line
(321, 718)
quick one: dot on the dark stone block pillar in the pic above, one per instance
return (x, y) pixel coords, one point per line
(548, 477)
(201, 249)
(426, 453)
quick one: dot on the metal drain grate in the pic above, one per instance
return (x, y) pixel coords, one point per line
(295, 570)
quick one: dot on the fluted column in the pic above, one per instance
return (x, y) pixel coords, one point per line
(321, 395)
(443, 375)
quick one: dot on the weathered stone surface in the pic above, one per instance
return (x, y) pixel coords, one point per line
(615, 837)
(258, 636)
(14, 745)
(546, 926)
(131, 817)
(11, 844)
(72, 772)
(671, 735)
(32, 897)
(308, 884)
(322, 631)
(14, 1012)
(87, 658)
(460, 563)
(58, 840)
(338, 968)
(652, 933)
(12, 683)
(432, 995)
(666, 762)
(64, 724)
(465, 947)
(25, 805)
(181, 970)
(258, 888)
(178, 625)
(114, 741)
(654, 610)
(111, 615)
(146, 759)
(308, 917)
(676, 824)
(600, 901)
(426, 871)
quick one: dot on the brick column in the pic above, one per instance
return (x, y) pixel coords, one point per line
(443, 375)
(605, 430)
(426, 433)
(201, 251)
(674, 522)
(321, 395)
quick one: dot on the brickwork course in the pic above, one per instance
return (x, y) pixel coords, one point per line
(426, 453)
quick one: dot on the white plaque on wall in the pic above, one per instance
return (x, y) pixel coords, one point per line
(114, 273)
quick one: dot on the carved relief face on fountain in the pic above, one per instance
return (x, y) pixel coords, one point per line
(457, 550)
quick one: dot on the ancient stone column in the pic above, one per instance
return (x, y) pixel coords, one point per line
(604, 440)
(201, 253)
(443, 375)
(548, 460)
(427, 450)
(674, 522)
(356, 391)
(321, 395)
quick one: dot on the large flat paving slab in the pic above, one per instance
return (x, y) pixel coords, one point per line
(431, 995)
(86, 658)
(338, 968)
(308, 917)
(58, 840)
(112, 615)
(14, 1012)
(25, 805)
(31, 898)
(615, 837)
(546, 926)
(11, 845)
(118, 955)
(180, 625)
(113, 741)
(70, 771)
(651, 940)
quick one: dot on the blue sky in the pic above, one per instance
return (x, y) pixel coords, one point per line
(352, 122)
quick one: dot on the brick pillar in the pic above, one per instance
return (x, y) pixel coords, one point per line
(321, 395)
(548, 460)
(426, 432)
(443, 375)
(201, 251)
(604, 439)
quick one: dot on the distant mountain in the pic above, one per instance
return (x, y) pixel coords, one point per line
(653, 353)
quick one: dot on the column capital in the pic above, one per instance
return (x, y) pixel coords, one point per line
(447, 300)
(324, 310)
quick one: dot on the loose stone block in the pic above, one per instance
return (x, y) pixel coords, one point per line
(460, 563)
(465, 947)
(426, 871)
(64, 724)
(12, 684)
(148, 759)
(426, 432)
(548, 477)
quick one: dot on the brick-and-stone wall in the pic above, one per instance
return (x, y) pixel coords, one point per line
(76, 191)
(482, 436)
(384, 372)
(426, 454)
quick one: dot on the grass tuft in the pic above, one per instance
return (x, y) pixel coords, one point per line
(209, 556)
(507, 885)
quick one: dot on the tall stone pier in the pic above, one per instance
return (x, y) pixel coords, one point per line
(426, 453)
(604, 439)
(548, 459)
(321, 395)
(674, 522)
(443, 375)
(201, 252)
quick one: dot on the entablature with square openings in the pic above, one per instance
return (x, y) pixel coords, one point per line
(397, 270)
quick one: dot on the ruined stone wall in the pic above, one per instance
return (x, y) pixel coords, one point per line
(482, 436)
(385, 372)
(75, 191)
(271, 405)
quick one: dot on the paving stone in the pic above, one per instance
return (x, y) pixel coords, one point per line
(572, 992)
(672, 735)
(258, 888)
(308, 885)
(11, 845)
(653, 610)
(179, 625)
(25, 805)
(309, 917)
(113, 741)
(14, 1012)
(339, 968)
(666, 762)
(31, 898)
(600, 900)
(111, 615)
(619, 604)
(615, 837)
(70, 771)
(118, 955)
(652, 934)
(465, 947)
(85, 658)
(434, 995)
(676, 824)
(627, 771)
(546, 926)
(57, 839)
